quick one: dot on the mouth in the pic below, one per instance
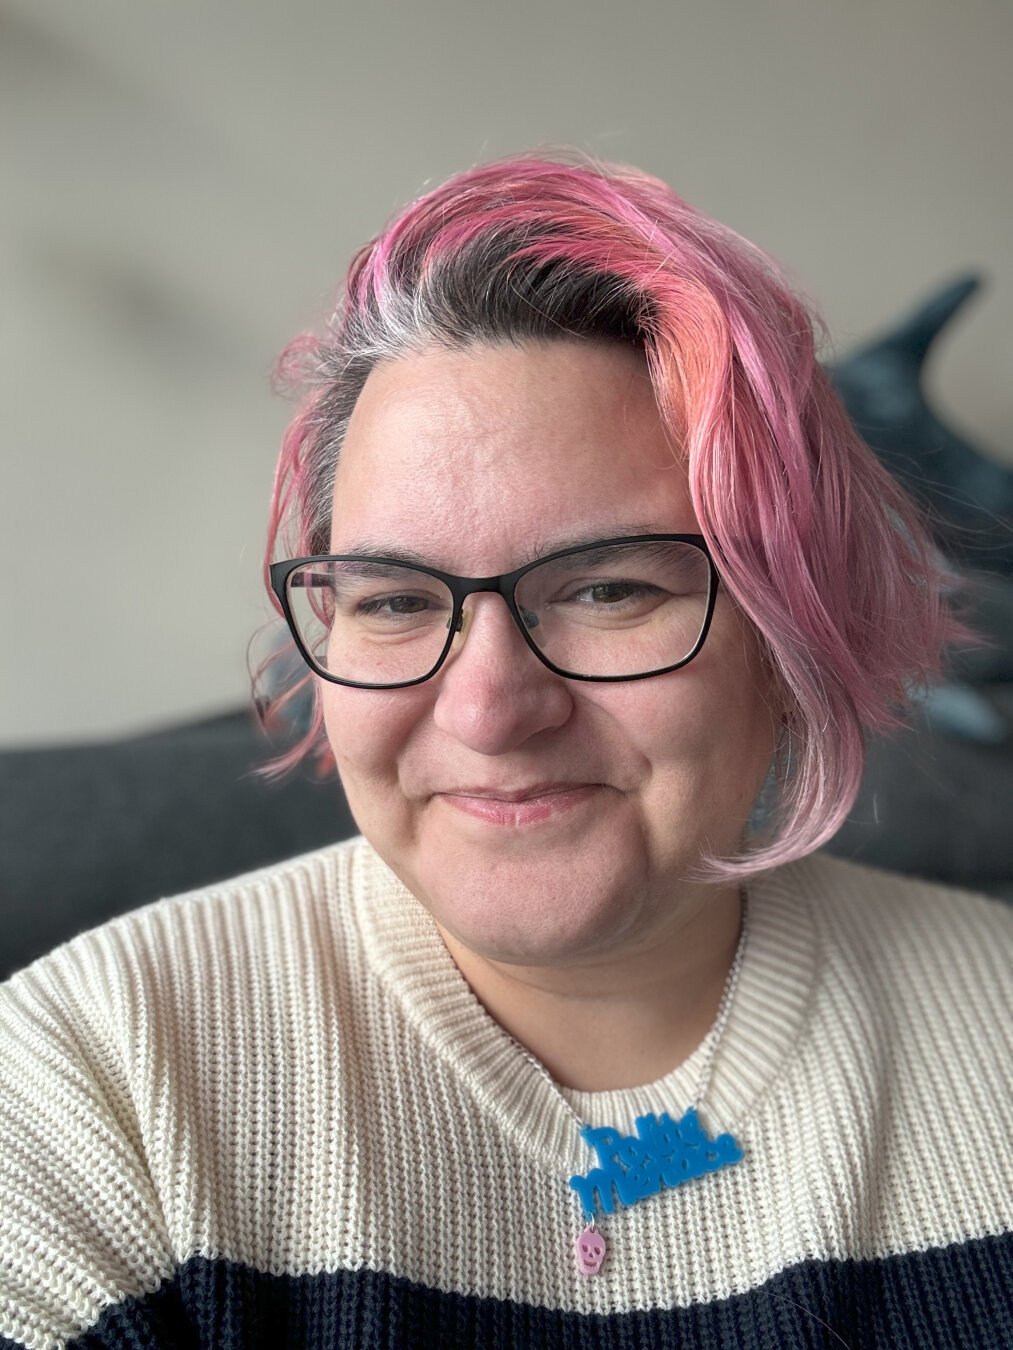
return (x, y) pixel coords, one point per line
(520, 806)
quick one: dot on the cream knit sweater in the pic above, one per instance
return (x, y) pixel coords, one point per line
(273, 1113)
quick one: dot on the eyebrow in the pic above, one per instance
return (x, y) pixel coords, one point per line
(371, 548)
(364, 548)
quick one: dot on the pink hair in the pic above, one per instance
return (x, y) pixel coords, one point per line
(816, 542)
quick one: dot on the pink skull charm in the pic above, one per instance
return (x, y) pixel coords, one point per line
(590, 1251)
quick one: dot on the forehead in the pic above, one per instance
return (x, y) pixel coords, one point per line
(503, 451)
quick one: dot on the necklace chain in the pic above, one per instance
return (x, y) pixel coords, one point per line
(713, 1036)
(724, 1007)
(702, 1155)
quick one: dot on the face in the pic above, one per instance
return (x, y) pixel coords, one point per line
(540, 820)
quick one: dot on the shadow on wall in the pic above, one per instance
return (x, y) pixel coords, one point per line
(90, 831)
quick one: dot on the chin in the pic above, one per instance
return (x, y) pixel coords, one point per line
(525, 906)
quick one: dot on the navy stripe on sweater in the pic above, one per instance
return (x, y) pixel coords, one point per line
(951, 1298)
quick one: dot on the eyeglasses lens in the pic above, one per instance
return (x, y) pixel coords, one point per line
(370, 622)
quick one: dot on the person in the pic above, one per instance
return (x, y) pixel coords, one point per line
(583, 1042)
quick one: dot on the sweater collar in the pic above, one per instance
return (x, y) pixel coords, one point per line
(404, 950)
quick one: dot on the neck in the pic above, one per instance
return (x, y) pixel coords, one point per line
(620, 1022)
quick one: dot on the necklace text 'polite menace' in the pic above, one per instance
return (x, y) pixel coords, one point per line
(663, 1152)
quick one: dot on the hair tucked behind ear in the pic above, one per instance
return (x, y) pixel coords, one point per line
(817, 544)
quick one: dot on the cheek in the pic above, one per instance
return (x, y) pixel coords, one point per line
(694, 716)
(367, 730)
(708, 730)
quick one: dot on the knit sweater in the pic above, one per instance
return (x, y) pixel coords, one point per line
(273, 1113)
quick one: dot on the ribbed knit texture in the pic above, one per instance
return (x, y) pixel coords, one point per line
(273, 1113)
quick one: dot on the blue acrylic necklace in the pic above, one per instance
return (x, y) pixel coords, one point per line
(663, 1153)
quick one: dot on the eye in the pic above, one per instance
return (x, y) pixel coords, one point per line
(397, 610)
(610, 597)
(394, 604)
(610, 592)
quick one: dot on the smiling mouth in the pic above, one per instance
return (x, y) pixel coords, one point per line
(523, 806)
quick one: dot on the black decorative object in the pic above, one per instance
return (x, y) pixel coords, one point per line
(881, 385)
(936, 798)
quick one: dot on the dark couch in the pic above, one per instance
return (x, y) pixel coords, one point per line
(87, 832)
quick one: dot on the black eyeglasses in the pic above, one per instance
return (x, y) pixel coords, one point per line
(618, 609)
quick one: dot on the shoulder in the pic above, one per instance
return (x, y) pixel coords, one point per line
(106, 982)
(138, 1066)
(884, 1133)
(187, 979)
(928, 962)
(253, 914)
(852, 895)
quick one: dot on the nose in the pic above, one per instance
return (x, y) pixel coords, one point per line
(493, 692)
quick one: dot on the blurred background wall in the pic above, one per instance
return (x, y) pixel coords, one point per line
(182, 184)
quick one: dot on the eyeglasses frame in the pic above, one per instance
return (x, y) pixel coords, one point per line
(505, 584)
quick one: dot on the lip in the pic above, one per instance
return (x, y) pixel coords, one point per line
(519, 806)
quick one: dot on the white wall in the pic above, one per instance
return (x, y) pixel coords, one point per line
(182, 185)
